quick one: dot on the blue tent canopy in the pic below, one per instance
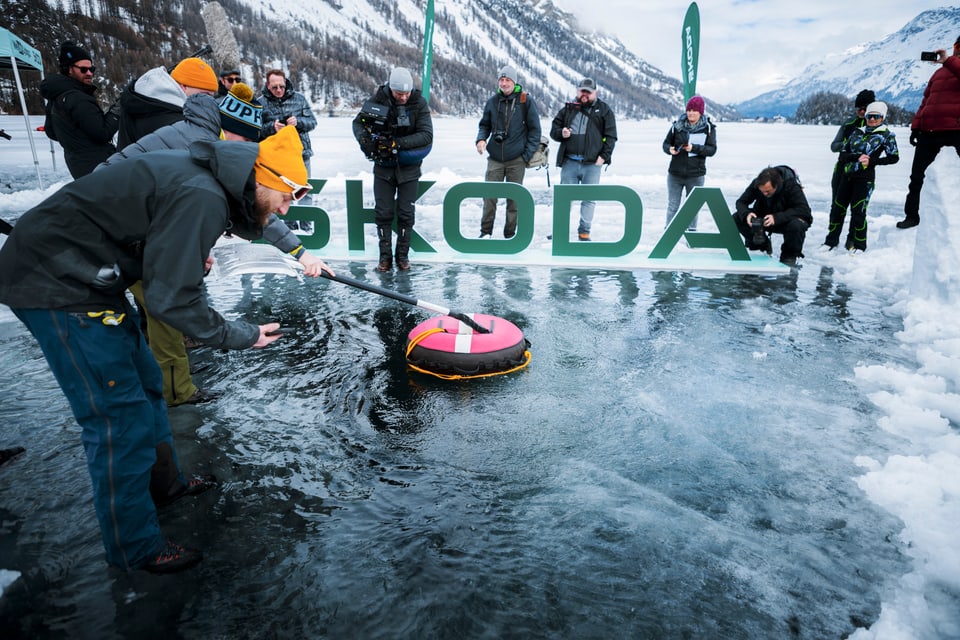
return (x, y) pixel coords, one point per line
(13, 47)
(16, 54)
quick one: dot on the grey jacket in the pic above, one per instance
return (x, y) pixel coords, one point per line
(201, 121)
(79, 251)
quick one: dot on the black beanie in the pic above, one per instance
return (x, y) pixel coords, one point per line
(70, 53)
(864, 98)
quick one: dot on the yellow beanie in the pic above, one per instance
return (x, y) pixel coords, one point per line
(194, 72)
(282, 152)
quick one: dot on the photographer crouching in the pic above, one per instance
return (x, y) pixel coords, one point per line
(774, 203)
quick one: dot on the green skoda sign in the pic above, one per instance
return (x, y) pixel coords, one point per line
(562, 250)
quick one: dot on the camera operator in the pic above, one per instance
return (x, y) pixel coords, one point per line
(509, 132)
(395, 131)
(774, 203)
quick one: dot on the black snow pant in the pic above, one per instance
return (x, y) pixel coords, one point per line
(854, 194)
(929, 144)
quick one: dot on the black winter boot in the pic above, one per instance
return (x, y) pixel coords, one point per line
(403, 248)
(385, 235)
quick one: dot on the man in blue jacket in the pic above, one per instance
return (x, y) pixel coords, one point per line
(510, 133)
(64, 277)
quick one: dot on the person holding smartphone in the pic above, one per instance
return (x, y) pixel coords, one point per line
(935, 126)
(689, 142)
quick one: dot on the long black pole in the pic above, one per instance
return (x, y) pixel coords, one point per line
(372, 288)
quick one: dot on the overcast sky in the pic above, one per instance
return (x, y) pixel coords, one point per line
(747, 47)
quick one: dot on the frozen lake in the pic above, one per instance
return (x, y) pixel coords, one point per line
(683, 458)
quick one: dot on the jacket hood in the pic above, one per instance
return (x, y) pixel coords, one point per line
(203, 111)
(232, 165)
(57, 84)
(158, 85)
(517, 90)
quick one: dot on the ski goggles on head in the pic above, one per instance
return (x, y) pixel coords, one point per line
(299, 190)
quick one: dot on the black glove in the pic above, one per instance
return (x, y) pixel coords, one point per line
(386, 148)
(914, 136)
(368, 145)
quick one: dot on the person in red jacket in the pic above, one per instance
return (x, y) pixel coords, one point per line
(936, 125)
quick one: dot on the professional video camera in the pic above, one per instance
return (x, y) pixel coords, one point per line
(377, 140)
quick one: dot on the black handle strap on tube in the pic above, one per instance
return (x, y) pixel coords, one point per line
(5, 227)
(470, 322)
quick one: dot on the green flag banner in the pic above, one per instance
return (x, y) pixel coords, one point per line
(690, 52)
(427, 51)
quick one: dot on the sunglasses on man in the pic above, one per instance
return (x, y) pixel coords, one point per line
(91, 70)
(232, 79)
(299, 190)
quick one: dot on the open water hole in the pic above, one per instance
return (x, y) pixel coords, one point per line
(676, 462)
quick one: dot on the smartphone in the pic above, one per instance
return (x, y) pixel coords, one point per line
(282, 331)
(928, 56)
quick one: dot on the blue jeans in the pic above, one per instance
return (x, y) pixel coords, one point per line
(574, 172)
(675, 188)
(115, 390)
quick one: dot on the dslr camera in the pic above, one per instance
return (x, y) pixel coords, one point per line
(759, 237)
(499, 136)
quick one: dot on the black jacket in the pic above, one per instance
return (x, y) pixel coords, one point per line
(516, 119)
(142, 115)
(410, 125)
(289, 104)
(75, 120)
(704, 137)
(79, 251)
(786, 203)
(600, 134)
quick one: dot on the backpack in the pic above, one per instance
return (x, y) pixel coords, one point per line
(541, 156)
(789, 172)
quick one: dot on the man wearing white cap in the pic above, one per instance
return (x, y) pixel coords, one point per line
(510, 133)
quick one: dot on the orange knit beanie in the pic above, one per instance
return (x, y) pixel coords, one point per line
(194, 72)
(283, 153)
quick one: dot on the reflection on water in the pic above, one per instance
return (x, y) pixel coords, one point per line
(675, 462)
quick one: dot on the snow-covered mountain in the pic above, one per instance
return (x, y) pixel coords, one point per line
(473, 38)
(338, 51)
(891, 67)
